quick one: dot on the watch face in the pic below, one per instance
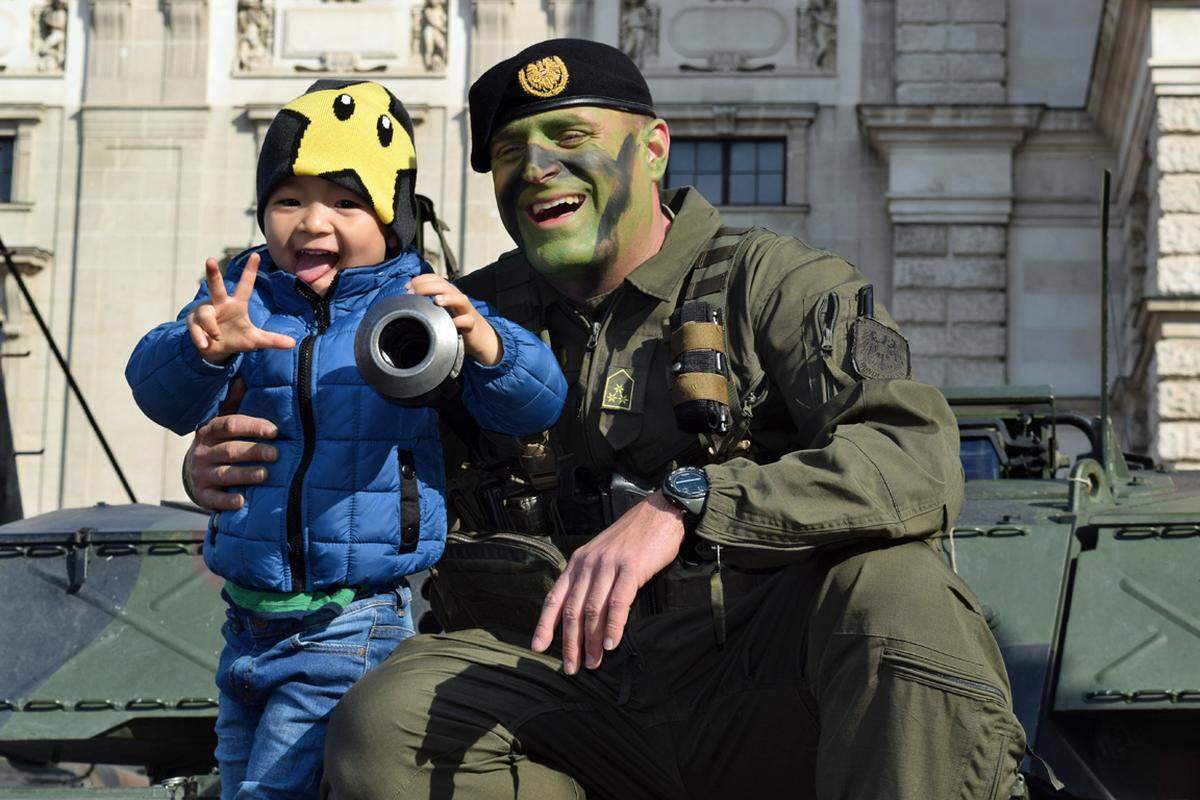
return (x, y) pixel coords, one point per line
(692, 484)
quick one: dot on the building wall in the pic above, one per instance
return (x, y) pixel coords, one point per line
(949, 148)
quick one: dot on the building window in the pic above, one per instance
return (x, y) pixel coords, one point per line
(7, 146)
(730, 172)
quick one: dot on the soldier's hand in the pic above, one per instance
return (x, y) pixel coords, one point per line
(593, 596)
(211, 463)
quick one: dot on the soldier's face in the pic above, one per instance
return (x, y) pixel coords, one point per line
(574, 185)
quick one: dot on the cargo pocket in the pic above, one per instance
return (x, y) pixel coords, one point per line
(982, 760)
(410, 502)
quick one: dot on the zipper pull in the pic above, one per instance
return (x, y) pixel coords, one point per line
(830, 312)
(594, 338)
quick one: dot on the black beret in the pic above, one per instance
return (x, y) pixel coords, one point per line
(549, 75)
(356, 134)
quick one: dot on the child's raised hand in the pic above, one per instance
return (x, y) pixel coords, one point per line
(479, 338)
(221, 327)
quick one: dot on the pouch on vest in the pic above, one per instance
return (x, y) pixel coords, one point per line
(490, 579)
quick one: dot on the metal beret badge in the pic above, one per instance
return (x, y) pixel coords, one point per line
(546, 77)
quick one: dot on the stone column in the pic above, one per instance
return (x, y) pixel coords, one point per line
(499, 28)
(951, 51)
(950, 198)
(570, 18)
(1171, 312)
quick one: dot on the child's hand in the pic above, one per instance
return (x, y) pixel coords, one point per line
(221, 327)
(479, 338)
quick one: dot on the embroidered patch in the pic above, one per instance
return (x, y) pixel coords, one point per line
(618, 391)
(545, 77)
(877, 352)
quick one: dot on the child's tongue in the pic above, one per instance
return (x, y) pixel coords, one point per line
(311, 266)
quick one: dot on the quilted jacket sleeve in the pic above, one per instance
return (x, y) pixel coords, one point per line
(172, 384)
(521, 394)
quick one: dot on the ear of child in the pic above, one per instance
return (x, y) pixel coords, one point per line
(221, 328)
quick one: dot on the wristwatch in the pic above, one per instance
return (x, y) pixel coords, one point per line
(687, 487)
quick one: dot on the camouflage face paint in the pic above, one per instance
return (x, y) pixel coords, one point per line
(572, 207)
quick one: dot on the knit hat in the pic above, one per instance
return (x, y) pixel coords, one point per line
(355, 134)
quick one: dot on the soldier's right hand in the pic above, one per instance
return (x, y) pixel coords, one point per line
(221, 328)
(212, 463)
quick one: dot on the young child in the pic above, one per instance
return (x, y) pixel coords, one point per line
(315, 557)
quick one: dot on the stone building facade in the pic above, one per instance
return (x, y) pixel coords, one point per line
(952, 149)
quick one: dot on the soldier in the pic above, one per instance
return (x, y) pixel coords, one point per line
(774, 619)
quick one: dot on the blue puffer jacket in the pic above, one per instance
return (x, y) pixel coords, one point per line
(356, 497)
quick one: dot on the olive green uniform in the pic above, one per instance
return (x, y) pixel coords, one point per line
(857, 665)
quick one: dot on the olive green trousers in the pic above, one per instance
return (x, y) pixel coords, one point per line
(865, 674)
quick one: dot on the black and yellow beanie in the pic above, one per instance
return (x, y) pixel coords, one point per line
(354, 133)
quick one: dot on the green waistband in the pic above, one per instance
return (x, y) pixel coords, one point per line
(283, 602)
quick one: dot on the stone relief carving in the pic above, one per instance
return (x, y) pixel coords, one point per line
(702, 33)
(256, 35)
(341, 61)
(639, 29)
(50, 35)
(816, 34)
(430, 30)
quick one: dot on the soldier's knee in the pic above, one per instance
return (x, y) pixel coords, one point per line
(903, 592)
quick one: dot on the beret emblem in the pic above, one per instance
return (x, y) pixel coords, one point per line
(545, 77)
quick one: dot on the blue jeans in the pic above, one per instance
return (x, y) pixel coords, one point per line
(279, 680)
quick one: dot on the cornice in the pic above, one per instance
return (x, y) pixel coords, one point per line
(891, 126)
(29, 260)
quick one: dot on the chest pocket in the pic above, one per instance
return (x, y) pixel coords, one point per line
(621, 399)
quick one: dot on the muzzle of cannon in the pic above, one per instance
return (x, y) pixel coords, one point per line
(408, 349)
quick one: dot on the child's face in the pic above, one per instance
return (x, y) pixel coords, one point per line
(315, 228)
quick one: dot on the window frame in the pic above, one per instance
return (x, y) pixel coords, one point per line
(726, 143)
(8, 142)
(18, 122)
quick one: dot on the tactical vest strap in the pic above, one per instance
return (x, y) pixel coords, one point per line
(699, 386)
(516, 296)
(697, 336)
(705, 394)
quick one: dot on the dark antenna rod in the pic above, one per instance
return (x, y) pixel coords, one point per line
(1104, 410)
(62, 362)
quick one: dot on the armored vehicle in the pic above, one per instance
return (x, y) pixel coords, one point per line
(1086, 564)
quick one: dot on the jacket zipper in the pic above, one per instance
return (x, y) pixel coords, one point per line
(308, 427)
(595, 329)
(829, 314)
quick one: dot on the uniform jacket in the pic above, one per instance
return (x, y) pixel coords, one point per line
(356, 496)
(835, 457)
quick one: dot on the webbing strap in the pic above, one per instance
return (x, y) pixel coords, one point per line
(697, 336)
(699, 386)
(712, 267)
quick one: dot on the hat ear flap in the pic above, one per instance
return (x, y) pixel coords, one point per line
(404, 223)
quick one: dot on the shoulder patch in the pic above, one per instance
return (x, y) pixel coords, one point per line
(877, 352)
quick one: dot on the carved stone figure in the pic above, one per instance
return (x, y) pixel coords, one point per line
(256, 31)
(639, 30)
(50, 35)
(816, 33)
(430, 30)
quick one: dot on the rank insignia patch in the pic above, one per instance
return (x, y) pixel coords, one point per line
(618, 391)
(546, 77)
(877, 352)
